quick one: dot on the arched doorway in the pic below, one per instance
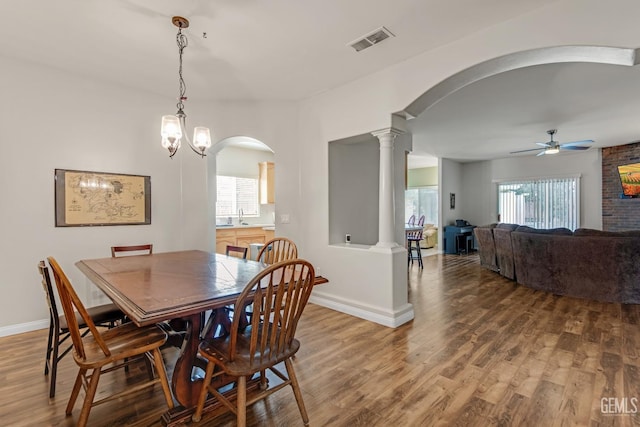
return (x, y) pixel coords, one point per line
(242, 211)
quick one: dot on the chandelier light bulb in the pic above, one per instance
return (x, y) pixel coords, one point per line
(201, 138)
(170, 128)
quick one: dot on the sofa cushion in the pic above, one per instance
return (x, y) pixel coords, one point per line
(557, 231)
(486, 246)
(504, 251)
(593, 264)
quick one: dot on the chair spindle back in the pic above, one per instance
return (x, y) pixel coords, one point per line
(277, 250)
(279, 294)
(71, 301)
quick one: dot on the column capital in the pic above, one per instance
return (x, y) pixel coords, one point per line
(391, 131)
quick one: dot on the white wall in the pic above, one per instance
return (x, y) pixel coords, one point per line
(56, 120)
(354, 169)
(275, 125)
(451, 182)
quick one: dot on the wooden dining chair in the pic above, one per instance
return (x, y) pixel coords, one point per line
(146, 249)
(276, 250)
(98, 353)
(279, 295)
(237, 251)
(107, 315)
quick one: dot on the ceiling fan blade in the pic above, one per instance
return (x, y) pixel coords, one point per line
(524, 151)
(543, 144)
(572, 143)
(572, 147)
(542, 153)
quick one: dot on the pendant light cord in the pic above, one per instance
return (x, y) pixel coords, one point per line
(182, 42)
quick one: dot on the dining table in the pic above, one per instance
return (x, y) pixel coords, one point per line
(172, 286)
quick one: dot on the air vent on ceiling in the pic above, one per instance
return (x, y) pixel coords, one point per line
(372, 38)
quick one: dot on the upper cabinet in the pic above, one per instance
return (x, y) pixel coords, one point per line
(267, 185)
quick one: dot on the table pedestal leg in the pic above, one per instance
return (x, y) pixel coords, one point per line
(185, 385)
(185, 390)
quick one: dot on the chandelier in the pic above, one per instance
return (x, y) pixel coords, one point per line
(173, 128)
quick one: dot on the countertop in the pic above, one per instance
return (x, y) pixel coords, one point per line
(236, 226)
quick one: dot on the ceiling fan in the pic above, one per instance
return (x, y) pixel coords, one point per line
(553, 147)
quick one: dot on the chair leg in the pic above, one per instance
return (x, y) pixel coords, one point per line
(54, 364)
(49, 348)
(149, 367)
(162, 374)
(241, 414)
(263, 380)
(296, 390)
(88, 398)
(419, 254)
(203, 392)
(75, 391)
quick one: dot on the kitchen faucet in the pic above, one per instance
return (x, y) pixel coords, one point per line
(240, 215)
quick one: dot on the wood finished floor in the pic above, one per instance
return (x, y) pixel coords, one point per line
(481, 351)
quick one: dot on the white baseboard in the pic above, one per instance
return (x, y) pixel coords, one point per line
(389, 319)
(20, 328)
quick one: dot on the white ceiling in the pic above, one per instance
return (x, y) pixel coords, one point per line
(293, 49)
(254, 49)
(513, 110)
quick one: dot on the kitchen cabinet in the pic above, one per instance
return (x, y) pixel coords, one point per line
(269, 235)
(245, 236)
(238, 237)
(266, 182)
(224, 237)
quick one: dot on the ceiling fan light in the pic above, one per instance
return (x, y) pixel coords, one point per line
(553, 150)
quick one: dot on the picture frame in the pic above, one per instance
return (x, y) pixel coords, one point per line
(88, 198)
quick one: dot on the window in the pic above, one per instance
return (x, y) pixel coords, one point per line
(541, 203)
(235, 193)
(422, 201)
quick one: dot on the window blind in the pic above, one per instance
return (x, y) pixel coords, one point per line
(235, 193)
(541, 203)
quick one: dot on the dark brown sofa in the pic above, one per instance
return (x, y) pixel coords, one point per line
(486, 246)
(592, 264)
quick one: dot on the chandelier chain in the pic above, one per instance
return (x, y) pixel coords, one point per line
(182, 42)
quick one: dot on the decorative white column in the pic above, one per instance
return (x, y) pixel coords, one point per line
(386, 206)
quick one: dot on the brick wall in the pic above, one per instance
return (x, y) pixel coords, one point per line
(618, 214)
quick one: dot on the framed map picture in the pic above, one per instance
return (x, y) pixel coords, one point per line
(97, 198)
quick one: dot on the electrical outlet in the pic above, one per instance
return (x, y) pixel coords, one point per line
(284, 219)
